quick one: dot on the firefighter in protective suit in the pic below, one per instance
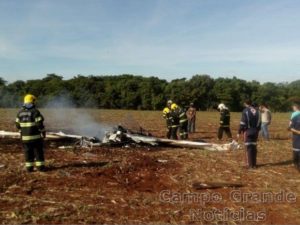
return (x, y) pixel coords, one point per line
(29, 122)
(175, 121)
(167, 116)
(224, 122)
(180, 116)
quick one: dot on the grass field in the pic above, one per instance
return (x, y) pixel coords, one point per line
(148, 185)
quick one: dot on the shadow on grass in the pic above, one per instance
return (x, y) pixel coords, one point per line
(78, 165)
(283, 163)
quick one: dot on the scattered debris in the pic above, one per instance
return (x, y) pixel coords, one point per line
(66, 147)
(121, 136)
(215, 185)
(162, 160)
(87, 142)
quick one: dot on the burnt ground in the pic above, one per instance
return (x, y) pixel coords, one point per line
(134, 185)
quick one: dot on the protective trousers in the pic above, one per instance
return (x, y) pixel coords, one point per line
(169, 132)
(34, 155)
(226, 130)
(183, 130)
(174, 129)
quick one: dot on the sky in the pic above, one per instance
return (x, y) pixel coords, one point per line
(250, 39)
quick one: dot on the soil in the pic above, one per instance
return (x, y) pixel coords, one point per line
(141, 185)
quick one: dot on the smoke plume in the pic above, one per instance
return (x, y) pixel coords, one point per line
(62, 115)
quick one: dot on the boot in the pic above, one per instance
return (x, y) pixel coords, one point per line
(41, 168)
(29, 169)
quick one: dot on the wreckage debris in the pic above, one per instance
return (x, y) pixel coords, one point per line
(215, 185)
(122, 137)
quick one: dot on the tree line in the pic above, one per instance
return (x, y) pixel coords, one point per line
(148, 93)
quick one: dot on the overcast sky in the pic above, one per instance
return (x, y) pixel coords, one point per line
(250, 39)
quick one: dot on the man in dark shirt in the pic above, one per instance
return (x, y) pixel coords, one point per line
(295, 128)
(250, 126)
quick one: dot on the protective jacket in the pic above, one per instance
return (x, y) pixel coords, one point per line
(167, 116)
(182, 116)
(30, 122)
(224, 118)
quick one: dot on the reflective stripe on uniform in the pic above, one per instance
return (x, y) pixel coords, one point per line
(28, 124)
(182, 121)
(38, 119)
(174, 126)
(29, 164)
(17, 120)
(242, 123)
(248, 119)
(39, 163)
(250, 143)
(296, 150)
(182, 114)
(29, 138)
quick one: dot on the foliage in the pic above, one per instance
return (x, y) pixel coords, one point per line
(149, 93)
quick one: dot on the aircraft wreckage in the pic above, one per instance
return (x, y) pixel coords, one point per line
(121, 136)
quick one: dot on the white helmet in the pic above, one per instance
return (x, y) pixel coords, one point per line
(222, 106)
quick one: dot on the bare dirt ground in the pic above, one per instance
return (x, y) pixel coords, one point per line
(148, 185)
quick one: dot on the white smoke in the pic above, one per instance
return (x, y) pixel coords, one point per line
(62, 115)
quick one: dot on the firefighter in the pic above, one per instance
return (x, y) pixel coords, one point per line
(168, 118)
(29, 122)
(224, 122)
(169, 104)
(175, 120)
(250, 126)
(181, 116)
(183, 124)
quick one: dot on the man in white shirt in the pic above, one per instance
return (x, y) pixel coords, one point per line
(266, 118)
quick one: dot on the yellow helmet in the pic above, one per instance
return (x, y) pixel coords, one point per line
(29, 98)
(174, 106)
(166, 110)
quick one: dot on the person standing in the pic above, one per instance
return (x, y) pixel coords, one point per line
(168, 118)
(250, 126)
(183, 124)
(30, 122)
(175, 120)
(295, 129)
(191, 115)
(266, 118)
(169, 104)
(224, 122)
